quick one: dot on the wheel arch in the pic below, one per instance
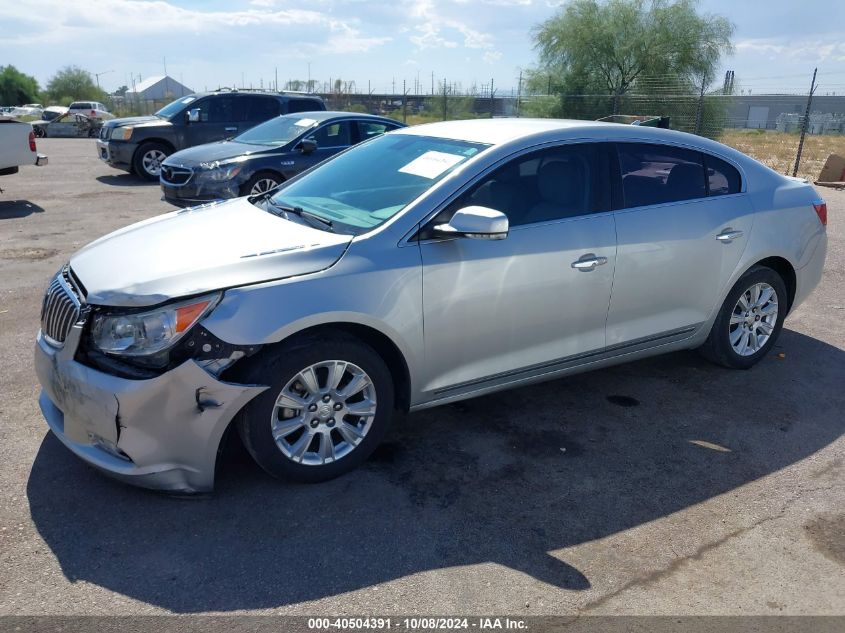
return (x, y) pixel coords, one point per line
(384, 346)
(786, 270)
(261, 171)
(162, 141)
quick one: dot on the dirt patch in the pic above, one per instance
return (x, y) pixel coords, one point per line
(828, 536)
(28, 254)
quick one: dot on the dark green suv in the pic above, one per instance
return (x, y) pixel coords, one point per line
(140, 144)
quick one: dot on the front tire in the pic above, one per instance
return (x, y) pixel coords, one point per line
(148, 158)
(329, 404)
(749, 320)
(259, 183)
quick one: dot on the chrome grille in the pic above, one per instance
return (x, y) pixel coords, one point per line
(60, 310)
(175, 175)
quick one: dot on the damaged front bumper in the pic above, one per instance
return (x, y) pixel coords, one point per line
(161, 433)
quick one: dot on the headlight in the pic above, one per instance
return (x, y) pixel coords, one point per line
(122, 133)
(146, 333)
(217, 172)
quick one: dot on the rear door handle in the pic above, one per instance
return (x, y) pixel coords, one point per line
(728, 235)
(589, 262)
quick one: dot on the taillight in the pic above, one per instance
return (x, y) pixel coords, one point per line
(821, 210)
(32, 142)
(93, 113)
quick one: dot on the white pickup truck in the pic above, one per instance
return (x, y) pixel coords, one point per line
(17, 146)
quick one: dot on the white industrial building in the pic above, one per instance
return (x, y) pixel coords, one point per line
(158, 88)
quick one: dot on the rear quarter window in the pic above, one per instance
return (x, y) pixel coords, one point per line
(722, 177)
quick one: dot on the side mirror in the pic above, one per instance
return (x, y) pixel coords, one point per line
(308, 146)
(193, 116)
(480, 223)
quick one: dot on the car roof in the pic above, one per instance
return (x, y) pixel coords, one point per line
(325, 115)
(504, 131)
(264, 93)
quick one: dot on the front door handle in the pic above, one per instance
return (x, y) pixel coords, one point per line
(728, 235)
(589, 262)
(231, 129)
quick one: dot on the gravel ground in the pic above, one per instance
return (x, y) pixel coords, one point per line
(665, 486)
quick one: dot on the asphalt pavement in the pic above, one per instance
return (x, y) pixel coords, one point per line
(666, 486)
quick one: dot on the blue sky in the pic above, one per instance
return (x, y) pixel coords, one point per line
(226, 42)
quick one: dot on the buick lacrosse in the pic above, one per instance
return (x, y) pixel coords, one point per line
(427, 265)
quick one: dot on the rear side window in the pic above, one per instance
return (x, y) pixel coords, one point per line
(657, 174)
(303, 105)
(260, 109)
(369, 129)
(722, 178)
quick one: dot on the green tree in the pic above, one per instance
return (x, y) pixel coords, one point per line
(72, 83)
(16, 88)
(609, 46)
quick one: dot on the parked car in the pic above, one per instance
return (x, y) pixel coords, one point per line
(53, 112)
(28, 111)
(17, 146)
(140, 144)
(262, 157)
(68, 125)
(428, 265)
(91, 109)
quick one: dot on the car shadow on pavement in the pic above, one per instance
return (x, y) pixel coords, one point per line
(508, 478)
(13, 209)
(126, 180)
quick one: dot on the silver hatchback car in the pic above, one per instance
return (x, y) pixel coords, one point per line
(431, 264)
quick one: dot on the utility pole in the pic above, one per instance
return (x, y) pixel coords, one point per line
(97, 76)
(805, 123)
(518, 93)
(276, 84)
(699, 110)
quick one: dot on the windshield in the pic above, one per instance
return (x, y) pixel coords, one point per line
(174, 107)
(372, 182)
(277, 131)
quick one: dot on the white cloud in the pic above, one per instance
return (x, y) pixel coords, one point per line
(491, 57)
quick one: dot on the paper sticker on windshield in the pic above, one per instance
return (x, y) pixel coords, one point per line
(305, 122)
(431, 164)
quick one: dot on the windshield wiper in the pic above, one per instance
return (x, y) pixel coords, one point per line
(302, 213)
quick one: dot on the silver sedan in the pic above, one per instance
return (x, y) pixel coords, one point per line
(432, 264)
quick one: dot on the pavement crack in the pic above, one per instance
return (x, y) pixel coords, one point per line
(698, 554)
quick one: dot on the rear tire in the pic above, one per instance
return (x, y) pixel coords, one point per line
(148, 158)
(749, 321)
(329, 404)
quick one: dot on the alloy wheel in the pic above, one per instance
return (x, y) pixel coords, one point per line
(152, 160)
(753, 319)
(323, 412)
(263, 185)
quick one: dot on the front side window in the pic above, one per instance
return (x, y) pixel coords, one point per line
(174, 107)
(369, 184)
(551, 184)
(337, 134)
(657, 174)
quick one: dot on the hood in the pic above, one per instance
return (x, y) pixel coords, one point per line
(199, 250)
(210, 152)
(134, 120)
